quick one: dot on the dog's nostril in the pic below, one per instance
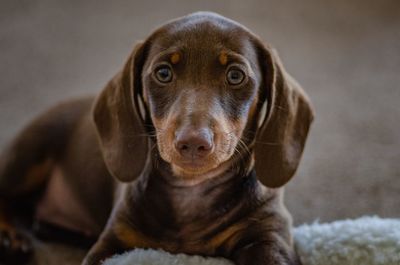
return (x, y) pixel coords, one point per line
(184, 147)
(204, 148)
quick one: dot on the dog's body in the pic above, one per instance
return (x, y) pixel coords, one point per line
(181, 125)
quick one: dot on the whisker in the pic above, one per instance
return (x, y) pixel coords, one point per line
(243, 144)
(268, 143)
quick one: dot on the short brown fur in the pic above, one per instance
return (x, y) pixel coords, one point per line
(224, 200)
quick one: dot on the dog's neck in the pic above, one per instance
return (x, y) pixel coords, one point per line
(183, 208)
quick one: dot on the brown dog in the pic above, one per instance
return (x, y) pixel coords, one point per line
(203, 124)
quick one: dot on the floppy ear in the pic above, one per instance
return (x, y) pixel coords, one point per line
(283, 129)
(119, 122)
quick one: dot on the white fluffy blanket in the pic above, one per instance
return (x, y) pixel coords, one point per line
(364, 241)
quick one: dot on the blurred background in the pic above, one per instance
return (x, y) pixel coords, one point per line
(346, 54)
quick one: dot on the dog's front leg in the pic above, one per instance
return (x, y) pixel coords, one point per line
(273, 251)
(106, 246)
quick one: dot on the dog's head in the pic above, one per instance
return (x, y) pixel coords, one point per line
(211, 92)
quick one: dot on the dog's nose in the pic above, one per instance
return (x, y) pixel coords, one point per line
(194, 143)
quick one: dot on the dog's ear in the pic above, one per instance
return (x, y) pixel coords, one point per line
(284, 117)
(119, 120)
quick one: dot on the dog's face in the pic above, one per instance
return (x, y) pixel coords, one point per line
(200, 84)
(210, 89)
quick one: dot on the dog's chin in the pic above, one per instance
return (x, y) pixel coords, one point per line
(192, 173)
(192, 168)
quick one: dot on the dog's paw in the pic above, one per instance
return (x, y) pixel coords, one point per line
(15, 247)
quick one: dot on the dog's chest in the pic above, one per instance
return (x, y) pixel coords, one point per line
(196, 219)
(190, 204)
(183, 213)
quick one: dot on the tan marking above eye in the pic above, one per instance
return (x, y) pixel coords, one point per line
(223, 58)
(175, 58)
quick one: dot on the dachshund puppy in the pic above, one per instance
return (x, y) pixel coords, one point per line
(202, 128)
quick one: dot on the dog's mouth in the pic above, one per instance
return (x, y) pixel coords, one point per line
(192, 164)
(195, 166)
(198, 170)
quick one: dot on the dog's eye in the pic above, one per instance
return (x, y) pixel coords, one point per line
(235, 76)
(164, 74)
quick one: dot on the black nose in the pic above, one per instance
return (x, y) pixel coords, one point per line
(194, 143)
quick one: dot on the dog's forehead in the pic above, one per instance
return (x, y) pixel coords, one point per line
(204, 32)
